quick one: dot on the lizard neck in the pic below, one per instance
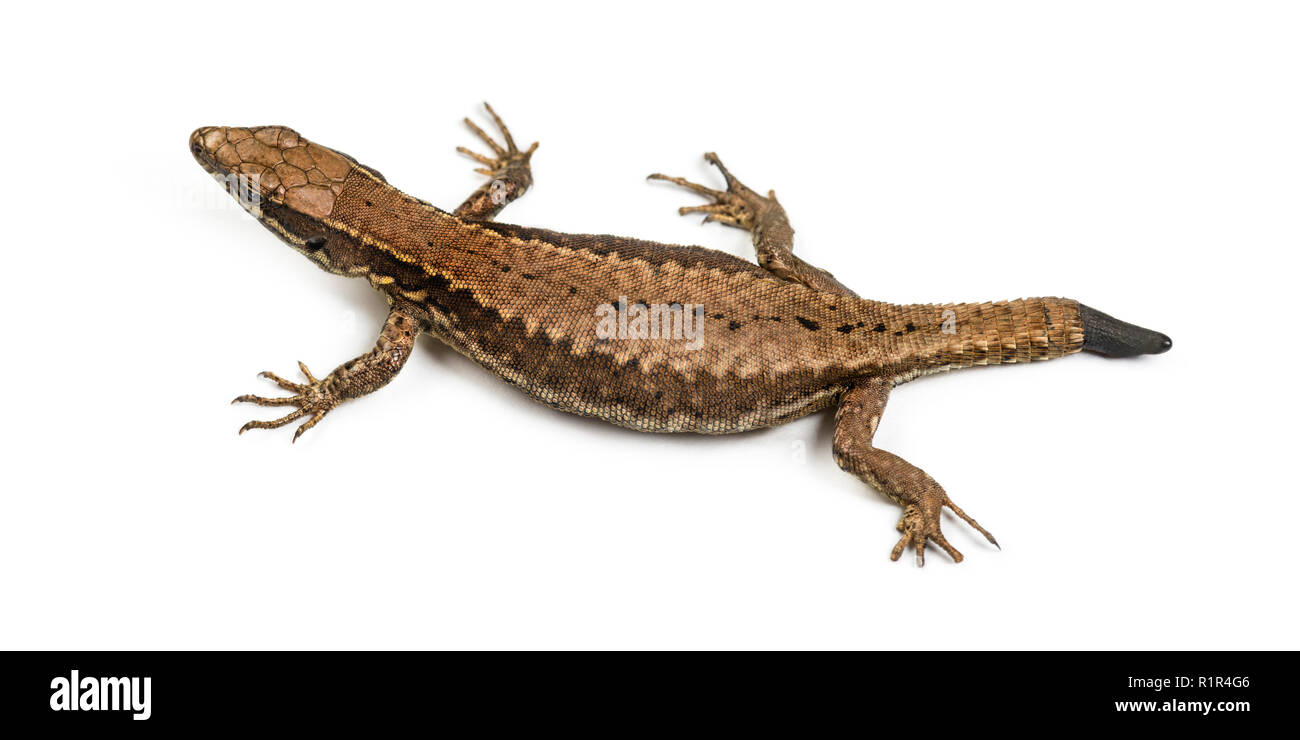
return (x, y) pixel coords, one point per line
(381, 216)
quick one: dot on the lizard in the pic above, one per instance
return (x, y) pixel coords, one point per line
(570, 319)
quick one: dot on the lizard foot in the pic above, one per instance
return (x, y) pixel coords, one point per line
(507, 160)
(313, 398)
(738, 206)
(920, 522)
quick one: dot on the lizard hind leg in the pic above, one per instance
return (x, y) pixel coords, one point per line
(765, 220)
(920, 496)
(736, 206)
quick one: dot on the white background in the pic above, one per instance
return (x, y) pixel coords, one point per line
(1141, 157)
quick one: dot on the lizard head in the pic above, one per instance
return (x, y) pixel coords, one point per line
(275, 164)
(288, 183)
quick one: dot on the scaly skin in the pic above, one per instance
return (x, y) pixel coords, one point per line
(776, 340)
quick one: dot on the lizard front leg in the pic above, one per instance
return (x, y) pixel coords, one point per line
(909, 486)
(765, 219)
(352, 379)
(509, 171)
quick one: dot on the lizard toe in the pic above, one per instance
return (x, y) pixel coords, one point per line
(312, 398)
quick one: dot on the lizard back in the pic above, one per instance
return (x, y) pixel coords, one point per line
(528, 304)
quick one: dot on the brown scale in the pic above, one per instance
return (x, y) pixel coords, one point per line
(779, 340)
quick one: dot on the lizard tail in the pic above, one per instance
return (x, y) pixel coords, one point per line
(936, 338)
(1107, 335)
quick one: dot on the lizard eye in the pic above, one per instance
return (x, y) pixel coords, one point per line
(315, 244)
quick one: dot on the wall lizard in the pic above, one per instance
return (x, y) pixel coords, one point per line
(772, 341)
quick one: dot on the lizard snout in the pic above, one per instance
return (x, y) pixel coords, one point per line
(204, 154)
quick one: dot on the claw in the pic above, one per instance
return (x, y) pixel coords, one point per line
(733, 185)
(311, 398)
(273, 424)
(710, 208)
(260, 401)
(920, 522)
(707, 192)
(470, 153)
(288, 385)
(974, 524)
(500, 152)
(506, 156)
(308, 425)
(505, 132)
(736, 206)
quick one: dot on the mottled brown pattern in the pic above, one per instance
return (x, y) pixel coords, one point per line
(778, 340)
(759, 363)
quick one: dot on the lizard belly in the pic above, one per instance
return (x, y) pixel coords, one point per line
(620, 387)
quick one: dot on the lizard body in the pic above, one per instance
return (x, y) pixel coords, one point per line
(701, 341)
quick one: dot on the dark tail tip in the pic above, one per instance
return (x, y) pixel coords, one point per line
(1109, 336)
